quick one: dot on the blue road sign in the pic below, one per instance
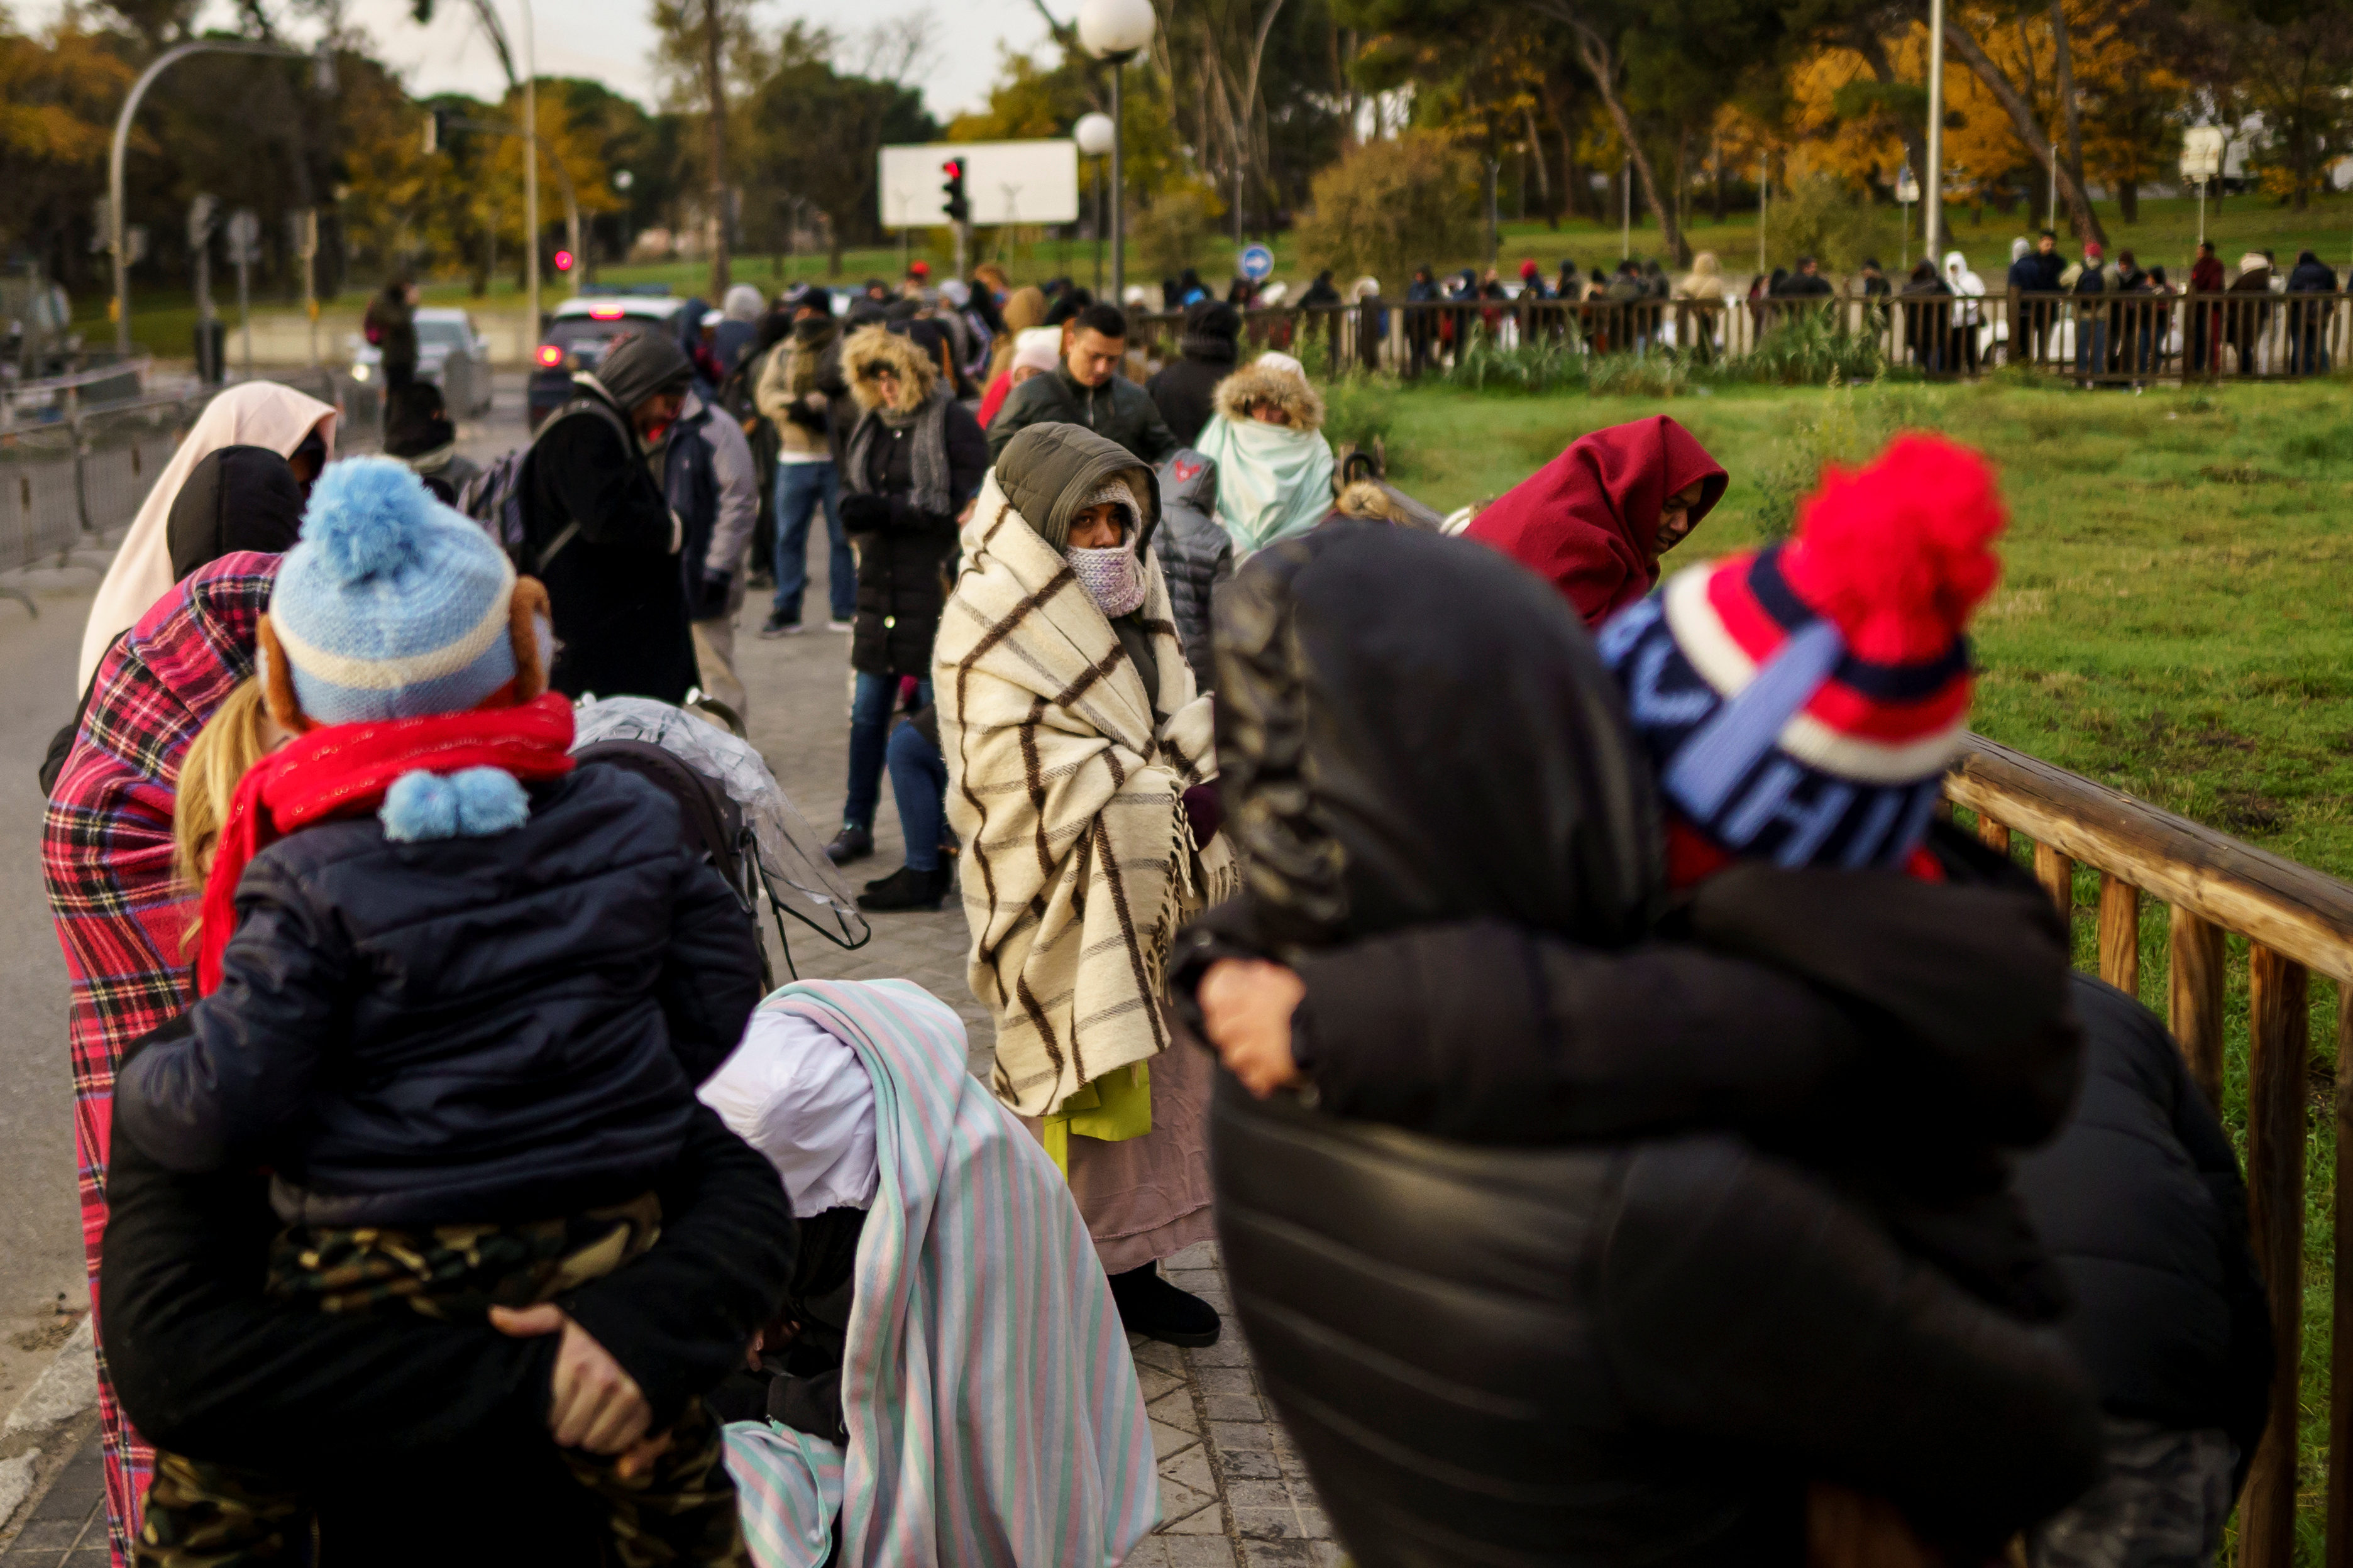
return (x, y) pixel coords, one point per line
(1258, 263)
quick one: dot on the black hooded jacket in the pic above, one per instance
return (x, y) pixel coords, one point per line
(598, 534)
(1184, 389)
(1635, 1342)
(2141, 1199)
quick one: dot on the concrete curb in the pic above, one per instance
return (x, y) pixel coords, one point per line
(66, 1388)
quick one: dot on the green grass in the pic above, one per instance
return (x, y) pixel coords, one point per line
(2175, 618)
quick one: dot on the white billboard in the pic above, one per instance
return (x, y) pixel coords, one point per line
(1006, 182)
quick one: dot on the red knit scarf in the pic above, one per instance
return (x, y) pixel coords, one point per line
(344, 769)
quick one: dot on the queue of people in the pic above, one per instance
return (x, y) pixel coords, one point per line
(1636, 1129)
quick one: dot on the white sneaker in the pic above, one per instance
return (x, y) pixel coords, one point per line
(841, 626)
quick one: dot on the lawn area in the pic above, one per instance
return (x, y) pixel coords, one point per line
(2175, 618)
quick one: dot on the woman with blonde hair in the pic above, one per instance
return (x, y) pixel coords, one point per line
(1024, 310)
(239, 733)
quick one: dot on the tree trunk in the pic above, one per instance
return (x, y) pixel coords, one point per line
(1873, 51)
(1602, 66)
(2063, 69)
(1533, 157)
(2128, 200)
(1715, 153)
(716, 83)
(2021, 119)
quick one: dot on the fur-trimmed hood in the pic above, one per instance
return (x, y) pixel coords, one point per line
(1263, 382)
(917, 373)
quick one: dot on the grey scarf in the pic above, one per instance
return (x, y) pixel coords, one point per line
(929, 460)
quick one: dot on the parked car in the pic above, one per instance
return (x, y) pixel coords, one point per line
(579, 332)
(450, 355)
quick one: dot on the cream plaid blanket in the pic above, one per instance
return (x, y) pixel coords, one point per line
(1063, 783)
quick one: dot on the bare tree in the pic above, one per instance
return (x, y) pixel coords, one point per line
(1602, 64)
(2015, 104)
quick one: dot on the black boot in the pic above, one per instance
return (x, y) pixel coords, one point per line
(1150, 1306)
(852, 843)
(907, 888)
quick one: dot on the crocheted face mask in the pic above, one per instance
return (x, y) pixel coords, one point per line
(1114, 578)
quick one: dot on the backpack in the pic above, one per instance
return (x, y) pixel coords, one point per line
(493, 497)
(713, 825)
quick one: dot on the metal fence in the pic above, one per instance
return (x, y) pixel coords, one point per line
(2088, 339)
(74, 481)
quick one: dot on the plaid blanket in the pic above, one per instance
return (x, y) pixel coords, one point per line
(993, 1409)
(106, 860)
(1064, 775)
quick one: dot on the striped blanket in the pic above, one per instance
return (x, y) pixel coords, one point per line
(993, 1409)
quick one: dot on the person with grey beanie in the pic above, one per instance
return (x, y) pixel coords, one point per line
(599, 534)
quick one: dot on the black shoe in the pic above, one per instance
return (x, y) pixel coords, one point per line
(905, 889)
(852, 843)
(777, 625)
(1150, 1306)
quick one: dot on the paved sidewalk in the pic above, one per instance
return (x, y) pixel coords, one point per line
(1233, 1494)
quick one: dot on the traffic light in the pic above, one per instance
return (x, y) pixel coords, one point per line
(564, 261)
(959, 209)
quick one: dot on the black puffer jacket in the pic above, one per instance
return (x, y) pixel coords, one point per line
(1184, 390)
(2141, 1199)
(492, 1030)
(1196, 553)
(1639, 1346)
(1118, 410)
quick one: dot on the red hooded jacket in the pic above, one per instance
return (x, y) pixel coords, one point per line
(1587, 521)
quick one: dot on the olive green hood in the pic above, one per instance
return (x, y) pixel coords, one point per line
(1048, 470)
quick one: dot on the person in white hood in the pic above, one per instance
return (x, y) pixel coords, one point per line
(1967, 285)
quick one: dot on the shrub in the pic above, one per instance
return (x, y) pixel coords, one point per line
(1822, 217)
(1357, 411)
(1170, 233)
(1390, 207)
(1485, 366)
(1850, 424)
(1810, 348)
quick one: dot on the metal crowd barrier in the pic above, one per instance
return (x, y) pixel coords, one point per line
(74, 481)
(2088, 339)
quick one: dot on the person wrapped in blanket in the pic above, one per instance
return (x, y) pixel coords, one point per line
(1573, 1219)
(455, 993)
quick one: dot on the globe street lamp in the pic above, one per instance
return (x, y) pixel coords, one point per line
(1095, 135)
(1114, 31)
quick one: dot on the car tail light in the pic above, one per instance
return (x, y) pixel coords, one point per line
(606, 312)
(549, 356)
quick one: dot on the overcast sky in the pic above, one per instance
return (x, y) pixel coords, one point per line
(610, 41)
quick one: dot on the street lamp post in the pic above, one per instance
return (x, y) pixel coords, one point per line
(115, 223)
(1114, 31)
(1095, 135)
(1932, 185)
(531, 167)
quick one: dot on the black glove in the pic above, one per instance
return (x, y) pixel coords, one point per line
(711, 602)
(864, 514)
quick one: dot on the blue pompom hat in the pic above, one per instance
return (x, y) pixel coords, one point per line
(391, 605)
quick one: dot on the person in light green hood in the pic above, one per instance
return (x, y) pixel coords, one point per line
(1274, 466)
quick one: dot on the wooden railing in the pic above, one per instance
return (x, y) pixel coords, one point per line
(2298, 922)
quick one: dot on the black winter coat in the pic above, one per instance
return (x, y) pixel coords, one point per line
(467, 1029)
(1598, 1324)
(903, 552)
(2139, 1198)
(448, 1418)
(1196, 553)
(1118, 410)
(1184, 390)
(614, 588)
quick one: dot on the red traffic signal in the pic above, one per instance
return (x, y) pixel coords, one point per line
(959, 210)
(564, 261)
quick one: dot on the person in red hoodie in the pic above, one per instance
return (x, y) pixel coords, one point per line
(1595, 520)
(2204, 339)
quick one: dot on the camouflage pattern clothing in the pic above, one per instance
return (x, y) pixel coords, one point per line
(679, 1510)
(2161, 1504)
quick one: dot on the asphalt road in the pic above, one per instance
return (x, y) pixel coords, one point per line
(42, 1285)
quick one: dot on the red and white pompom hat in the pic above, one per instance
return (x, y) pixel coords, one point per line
(1801, 704)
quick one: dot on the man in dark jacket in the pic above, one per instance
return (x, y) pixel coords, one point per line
(1087, 389)
(598, 531)
(391, 325)
(2090, 320)
(911, 468)
(1184, 389)
(709, 480)
(2139, 1198)
(2037, 272)
(2307, 325)
(1807, 282)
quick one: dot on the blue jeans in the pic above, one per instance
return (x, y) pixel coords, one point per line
(800, 488)
(919, 782)
(869, 732)
(2091, 348)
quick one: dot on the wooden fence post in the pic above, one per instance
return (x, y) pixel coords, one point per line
(2120, 934)
(2194, 983)
(2339, 1551)
(2277, 1048)
(1993, 834)
(2056, 872)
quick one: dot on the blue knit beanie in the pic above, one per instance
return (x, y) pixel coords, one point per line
(391, 605)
